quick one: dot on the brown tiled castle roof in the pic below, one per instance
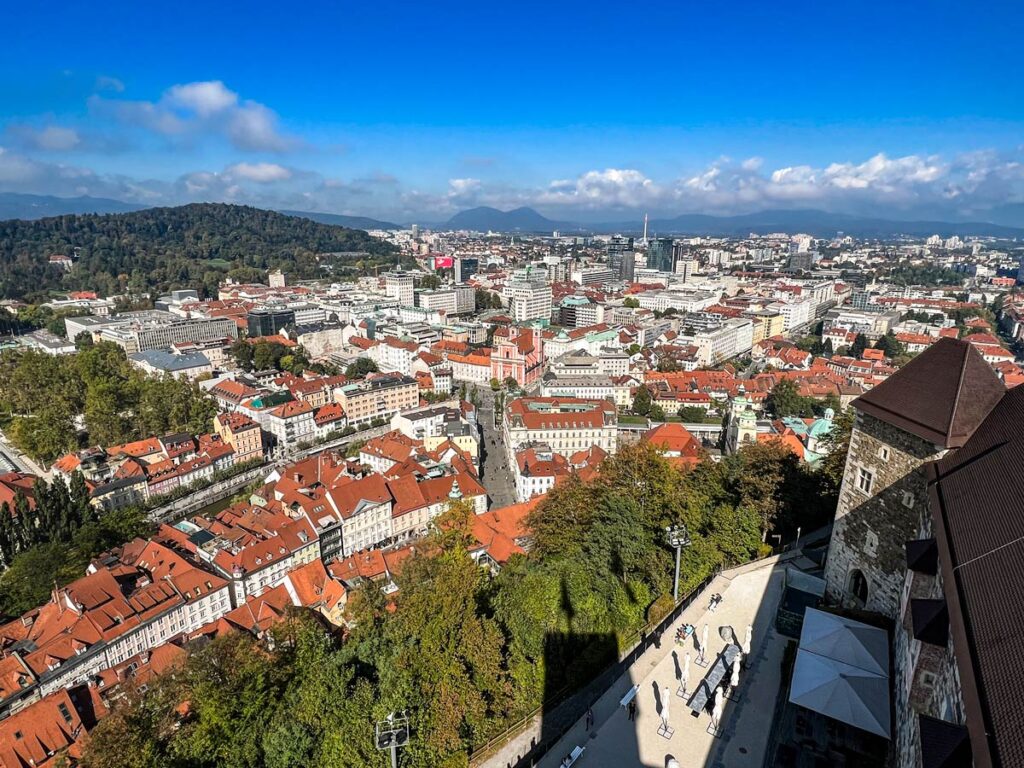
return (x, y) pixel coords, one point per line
(942, 395)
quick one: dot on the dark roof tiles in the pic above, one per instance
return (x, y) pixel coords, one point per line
(942, 395)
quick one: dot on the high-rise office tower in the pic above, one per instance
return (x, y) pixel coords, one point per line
(661, 254)
(466, 267)
(529, 295)
(621, 258)
(399, 285)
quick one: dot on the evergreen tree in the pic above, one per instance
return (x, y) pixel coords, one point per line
(83, 511)
(7, 535)
(859, 345)
(25, 522)
(642, 401)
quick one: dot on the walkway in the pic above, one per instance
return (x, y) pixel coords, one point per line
(750, 596)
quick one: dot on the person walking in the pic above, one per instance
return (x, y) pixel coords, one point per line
(631, 709)
(590, 718)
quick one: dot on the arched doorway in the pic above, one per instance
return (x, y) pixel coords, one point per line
(857, 587)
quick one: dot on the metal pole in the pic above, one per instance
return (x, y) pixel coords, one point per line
(675, 587)
(394, 755)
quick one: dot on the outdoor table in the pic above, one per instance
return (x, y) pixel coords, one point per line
(713, 678)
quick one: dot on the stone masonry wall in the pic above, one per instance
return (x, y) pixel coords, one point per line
(871, 529)
(926, 677)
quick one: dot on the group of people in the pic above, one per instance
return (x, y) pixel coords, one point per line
(684, 632)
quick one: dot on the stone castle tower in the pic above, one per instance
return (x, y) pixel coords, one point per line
(931, 405)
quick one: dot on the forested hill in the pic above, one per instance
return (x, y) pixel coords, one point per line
(192, 246)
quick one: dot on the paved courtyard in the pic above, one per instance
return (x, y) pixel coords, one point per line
(750, 596)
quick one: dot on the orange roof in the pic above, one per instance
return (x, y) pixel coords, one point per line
(328, 413)
(39, 733)
(275, 339)
(368, 564)
(677, 441)
(501, 532)
(67, 463)
(313, 587)
(260, 612)
(292, 409)
(146, 447)
(788, 439)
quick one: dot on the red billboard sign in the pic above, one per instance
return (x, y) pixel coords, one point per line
(443, 262)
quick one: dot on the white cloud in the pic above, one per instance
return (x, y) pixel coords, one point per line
(259, 172)
(204, 98)
(458, 187)
(976, 185)
(612, 187)
(207, 107)
(51, 138)
(105, 83)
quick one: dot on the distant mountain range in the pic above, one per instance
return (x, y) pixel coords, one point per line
(485, 219)
(821, 224)
(812, 222)
(526, 220)
(352, 222)
(14, 205)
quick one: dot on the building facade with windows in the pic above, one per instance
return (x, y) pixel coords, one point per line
(529, 295)
(378, 396)
(564, 424)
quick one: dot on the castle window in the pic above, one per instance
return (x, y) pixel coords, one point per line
(908, 500)
(871, 543)
(865, 480)
(883, 453)
(858, 586)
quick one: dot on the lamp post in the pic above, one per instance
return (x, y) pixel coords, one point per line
(677, 537)
(393, 733)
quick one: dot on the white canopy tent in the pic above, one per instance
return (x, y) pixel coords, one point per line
(842, 671)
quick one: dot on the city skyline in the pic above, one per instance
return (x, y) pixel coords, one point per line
(583, 114)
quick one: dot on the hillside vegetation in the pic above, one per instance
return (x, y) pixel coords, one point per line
(192, 246)
(466, 654)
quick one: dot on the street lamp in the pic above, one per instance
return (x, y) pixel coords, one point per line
(393, 733)
(677, 537)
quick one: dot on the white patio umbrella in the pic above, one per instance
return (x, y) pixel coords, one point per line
(735, 681)
(716, 708)
(665, 699)
(748, 640)
(704, 641)
(686, 669)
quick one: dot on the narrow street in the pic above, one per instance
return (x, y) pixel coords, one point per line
(495, 474)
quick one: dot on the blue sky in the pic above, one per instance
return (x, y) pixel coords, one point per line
(580, 109)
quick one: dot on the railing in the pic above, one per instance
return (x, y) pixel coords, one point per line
(636, 640)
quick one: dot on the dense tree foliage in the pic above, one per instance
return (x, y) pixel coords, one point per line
(192, 246)
(786, 400)
(906, 274)
(889, 345)
(464, 652)
(43, 394)
(486, 299)
(63, 555)
(264, 355)
(360, 368)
